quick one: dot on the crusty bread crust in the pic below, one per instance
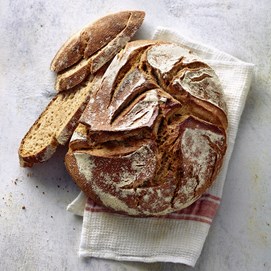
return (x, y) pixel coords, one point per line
(153, 138)
(89, 40)
(91, 48)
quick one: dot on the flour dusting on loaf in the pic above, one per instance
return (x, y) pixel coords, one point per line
(156, 131)
(164, 57)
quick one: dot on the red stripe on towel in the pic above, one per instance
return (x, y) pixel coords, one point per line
(202, 210)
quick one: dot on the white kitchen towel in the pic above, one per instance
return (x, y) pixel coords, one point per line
(180, 236)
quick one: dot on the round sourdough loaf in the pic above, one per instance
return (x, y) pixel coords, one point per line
(153, 136)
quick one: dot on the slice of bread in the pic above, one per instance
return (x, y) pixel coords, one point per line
(56, 123)
(96, 44)
(80, 64)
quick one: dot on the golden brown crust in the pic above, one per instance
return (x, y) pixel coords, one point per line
(95, 45)
(69, 53)
(101, 32)
(155, 131)
(68, 80)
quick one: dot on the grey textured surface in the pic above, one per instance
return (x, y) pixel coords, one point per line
(43, 236)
